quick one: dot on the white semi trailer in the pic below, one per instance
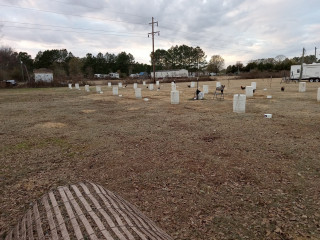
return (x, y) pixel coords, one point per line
(310, 72)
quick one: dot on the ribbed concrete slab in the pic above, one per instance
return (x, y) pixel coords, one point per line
(84, 211)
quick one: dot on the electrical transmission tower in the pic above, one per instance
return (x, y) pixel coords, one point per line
(153, 33)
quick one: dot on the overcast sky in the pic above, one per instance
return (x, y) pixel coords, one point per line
(238, 30)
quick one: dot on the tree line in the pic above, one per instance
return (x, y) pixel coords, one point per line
(279, 63)
(18, 65)
(180, 57)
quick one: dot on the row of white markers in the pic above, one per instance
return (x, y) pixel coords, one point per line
(239, 100)
(115, 89)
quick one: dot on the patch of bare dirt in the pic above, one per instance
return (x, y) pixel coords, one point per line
(88, 111)
(51, 125)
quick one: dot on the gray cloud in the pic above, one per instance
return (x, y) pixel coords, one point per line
(237, 30)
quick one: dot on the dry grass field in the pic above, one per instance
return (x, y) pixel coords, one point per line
(197, 169)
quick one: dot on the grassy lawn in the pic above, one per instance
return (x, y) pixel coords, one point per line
(197, 169)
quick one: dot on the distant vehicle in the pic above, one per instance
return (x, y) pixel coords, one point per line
(97, 75)
(114, 75)
(10, 83)
(310, 72)
(212, 74)
(134, 75)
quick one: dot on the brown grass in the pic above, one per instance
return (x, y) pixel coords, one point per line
(197, 169)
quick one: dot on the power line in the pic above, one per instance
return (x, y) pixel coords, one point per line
(123, 13)
(207, 45)
(44, 25)
(110, 33)
(59, 30)
(230, 50)
(143, 24)
(74, 15)
(100, 19)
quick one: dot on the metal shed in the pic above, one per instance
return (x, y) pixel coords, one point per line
(43, 74)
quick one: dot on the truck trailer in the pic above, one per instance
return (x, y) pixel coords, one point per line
(310, 72)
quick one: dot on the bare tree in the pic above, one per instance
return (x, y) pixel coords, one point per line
(216, 64)
(280, 58)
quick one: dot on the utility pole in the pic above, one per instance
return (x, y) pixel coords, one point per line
(22, 70)
(238, 64)
(302, 59)
(27, 72)
(315, 52)
(153, 33)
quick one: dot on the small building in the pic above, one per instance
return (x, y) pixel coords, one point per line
(172, 73)
(43, 74)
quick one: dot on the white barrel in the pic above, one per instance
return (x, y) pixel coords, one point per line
(200, 96)
(205, 89)
(174, 97)
(109, 84)
(87, 88)
(138, 92)
(318, 95)
(239, 103)
(173, 87)
(151, 86)
(172, 83)
(268, 115)
(218, 84)
(144, 83)
(135, 85)
(120, 85)
(249, 91)
(98, 89)
(302, 87)
(157, 83)
(77, 86)
(192, 84)
(70, 85)
(115, 90)
(254, 85)
(269, 96)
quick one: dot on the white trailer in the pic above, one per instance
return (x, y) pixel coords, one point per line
(172, 73)
(310, 72)
(114, 75)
